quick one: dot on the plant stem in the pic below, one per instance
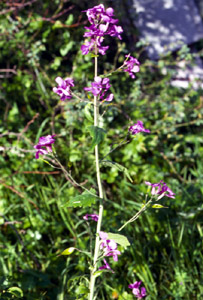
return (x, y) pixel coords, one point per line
(96, 250)
(137, 215)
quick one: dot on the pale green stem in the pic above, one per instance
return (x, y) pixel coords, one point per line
(97, 242)
(137, 215)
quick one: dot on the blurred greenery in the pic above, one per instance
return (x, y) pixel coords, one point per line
(40, 41)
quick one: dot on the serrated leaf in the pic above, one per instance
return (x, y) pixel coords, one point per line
(87, 112)
(119, 239)
(117, 166)
(83, 200)
(16, 291)
(97, 135)
(158, 206)
(68, 251)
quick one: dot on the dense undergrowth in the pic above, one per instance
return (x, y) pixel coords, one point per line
(38, 44)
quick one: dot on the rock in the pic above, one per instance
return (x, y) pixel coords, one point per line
(167, 24)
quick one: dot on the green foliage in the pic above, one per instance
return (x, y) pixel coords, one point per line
(83, 200)
(97, 135)
(36, 221)
(119, 239)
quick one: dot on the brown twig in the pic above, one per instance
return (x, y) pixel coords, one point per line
(18, 193)
(8, 71)
(173, 168)
(59, 14)
(27, 126)
(40, 172)
(20, 6)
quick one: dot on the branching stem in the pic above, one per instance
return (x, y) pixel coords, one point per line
(97, 242)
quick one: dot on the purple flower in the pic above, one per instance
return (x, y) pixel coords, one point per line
(109, 247)
(102, 23)
(87, 47)
(131, 66)
(160, 189)
(138, 127)
(91, 216)
(99, 88)
(63, 89)
(106, 266)
(139, 293)
(44, 141)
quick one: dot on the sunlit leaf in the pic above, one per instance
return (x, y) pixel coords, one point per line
(158, 206)
(68, 251)
(16, 291)
(119, 239)
(83, 200)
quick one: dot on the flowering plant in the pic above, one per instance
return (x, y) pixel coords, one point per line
(106, 243)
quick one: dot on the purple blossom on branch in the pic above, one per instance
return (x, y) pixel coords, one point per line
(63, 89)
(102, 24)
(139, 293)
(160, 189)
(138, 127)
(131, 66)
(44, 142)
(109, 247)
(99, 88)
(91, 216)
(106, 266)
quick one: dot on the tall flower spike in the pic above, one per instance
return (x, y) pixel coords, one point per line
(138, 127)
(63, 89)
(102, 23)
(44, 142)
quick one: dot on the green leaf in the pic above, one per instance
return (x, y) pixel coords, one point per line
(119, 239)
(158, 206)
(16, 291)
(88, 112)
(69, 20)
(97, 135)
(118, 166)
(65, 48)
(83, 200)
(68, 251)
(57, 24)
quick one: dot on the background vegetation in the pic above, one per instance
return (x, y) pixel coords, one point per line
(41, 40)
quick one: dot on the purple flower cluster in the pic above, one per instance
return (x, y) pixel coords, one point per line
(100, 87)
(91, 216)
(131, 66)
(160, 189)
(44, 141)
(138, 127)
(109, 248)
(63, 89)
(139, 293)
(102, 23)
